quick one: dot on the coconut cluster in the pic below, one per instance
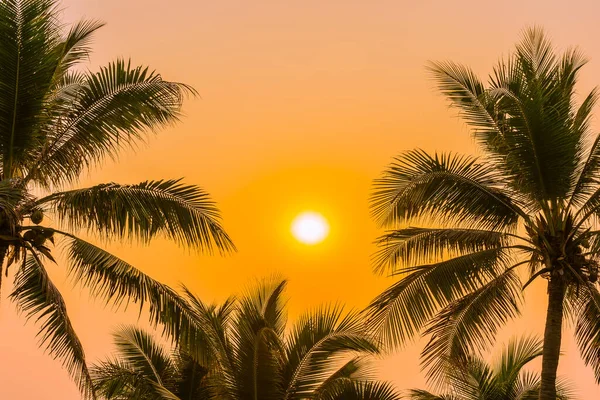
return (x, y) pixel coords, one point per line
(38, 236)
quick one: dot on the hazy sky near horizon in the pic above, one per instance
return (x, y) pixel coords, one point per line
(302, 104)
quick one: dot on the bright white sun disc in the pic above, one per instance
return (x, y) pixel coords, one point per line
(310, 228)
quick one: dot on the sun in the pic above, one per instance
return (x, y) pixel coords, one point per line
(310, 228)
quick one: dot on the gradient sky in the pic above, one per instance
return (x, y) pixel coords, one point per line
(303, 104)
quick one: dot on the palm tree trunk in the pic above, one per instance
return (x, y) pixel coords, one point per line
(552, 337)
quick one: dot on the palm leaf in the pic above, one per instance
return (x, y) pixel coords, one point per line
(355, 369)
(319, 342)
(543, 148)
(12, 197)
(36, 296)
(586, 182)
(587, 328)
(446, 187)
(356, 390)
(527, 386)
(144, 355)
(256, 341)
(75, 47)
(193, 380)
(473, 378)
(29, 33)
(412, 246)
(213, 344)
(117, 281)
(418, 394)
(116, 380)
(404, 309)
(266, 302)
(112, 109)
(467, 325)
(467, 93)
(183, 213)
(515, 356)
(525, 120)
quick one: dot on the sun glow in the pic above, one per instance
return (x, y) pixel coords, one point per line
(310, 228)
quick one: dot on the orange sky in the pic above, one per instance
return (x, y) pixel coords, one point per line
(303, 104)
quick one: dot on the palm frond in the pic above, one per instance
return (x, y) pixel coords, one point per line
(318, 343)
(112, 109)
(515, 356)
(467, 93)
(143, 354)
(412, 246)
(586, 183)
(266, 302)
(565, 390)
(587, 328)
(29, 33)
(536, 53)
(117, 281)
(357, 390)
(356, 369)
(213, 343)
(36, 296)
(543, 145)
(58, 100)
(473, 378)
(193, 379)
(75, 47)
(256, 339)
(527, 386)
(418, 394)
(446, 188)
(64, 88)
(116, 380)
(467, 325)
(405, 308)
(525, 120)
(12, 197)
(183, 213)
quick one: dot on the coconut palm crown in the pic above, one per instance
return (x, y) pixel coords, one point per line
(56, 121)
(463, 230)
(243, 352)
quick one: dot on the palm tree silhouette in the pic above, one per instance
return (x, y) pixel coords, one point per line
(244, 352)
(530, 203)
(476, 379)
(56, 121)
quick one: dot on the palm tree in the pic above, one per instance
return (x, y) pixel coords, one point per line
(530, 203)
(505, 380)
(145, 370)
(56, 121)
(245, 353)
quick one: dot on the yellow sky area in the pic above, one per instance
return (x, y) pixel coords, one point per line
(303, 104)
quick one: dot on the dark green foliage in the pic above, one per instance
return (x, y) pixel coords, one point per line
(55, 122)
(244, 352)
(471, 378)
(182, 213)
(36, 296)
(530, 202)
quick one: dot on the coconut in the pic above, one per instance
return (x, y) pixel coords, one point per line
(29, 235)
(39, 239)
(37, 216)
